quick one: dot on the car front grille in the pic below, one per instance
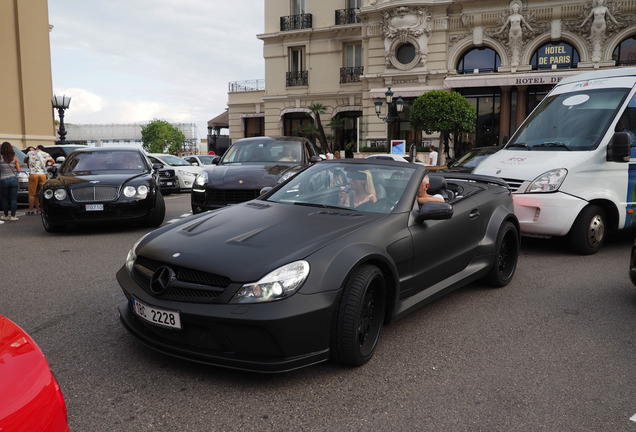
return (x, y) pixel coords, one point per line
(190, 285)
(231, 196)
(513, 184)
(94, 193)
(166, 173)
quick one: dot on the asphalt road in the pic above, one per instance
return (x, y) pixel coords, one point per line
(553, 351)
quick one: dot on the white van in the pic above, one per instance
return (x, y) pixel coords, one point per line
(569, 166)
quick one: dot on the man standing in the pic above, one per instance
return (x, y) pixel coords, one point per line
(38, 160)
(433, 156)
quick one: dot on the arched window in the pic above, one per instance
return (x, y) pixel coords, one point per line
(485, 59)
(625, 52)
(555, 55)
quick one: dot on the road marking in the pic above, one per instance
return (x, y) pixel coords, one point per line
(633, 418)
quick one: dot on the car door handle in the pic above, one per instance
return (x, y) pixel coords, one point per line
(474, 214)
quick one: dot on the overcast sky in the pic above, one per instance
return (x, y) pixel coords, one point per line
(128, 61)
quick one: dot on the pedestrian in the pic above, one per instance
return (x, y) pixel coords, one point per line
(433, 156)
(9, 169)
(38, 160)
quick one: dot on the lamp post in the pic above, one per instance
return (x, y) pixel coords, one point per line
(399, 106)
(61, 103)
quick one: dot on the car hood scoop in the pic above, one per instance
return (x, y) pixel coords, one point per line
(244, 242)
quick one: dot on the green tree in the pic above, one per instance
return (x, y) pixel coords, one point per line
(444, 112)
(159, 135)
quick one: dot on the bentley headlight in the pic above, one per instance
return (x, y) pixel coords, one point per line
(202, 178)
(130, 191)
(48, 194)
(60, 194)
(549, 181)
(139, 191)
(277, 285)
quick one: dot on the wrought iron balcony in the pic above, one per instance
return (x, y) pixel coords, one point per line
(297, 78)
(351, 74)
(346, 16)
(295, 22)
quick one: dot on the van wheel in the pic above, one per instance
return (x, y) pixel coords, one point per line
(588, 231)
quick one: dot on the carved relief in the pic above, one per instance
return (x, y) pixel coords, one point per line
(404, 27)
(521, 28)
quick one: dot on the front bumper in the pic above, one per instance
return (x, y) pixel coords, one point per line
(547, 214)
(62, 212)
(266, 337)
(207, 198)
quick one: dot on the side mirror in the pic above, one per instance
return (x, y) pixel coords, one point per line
(315, 159)
(60, 159)
(157, 166)
(434, 211)
(265, 190)
(618, 149)
(216, 160)
(194, 163)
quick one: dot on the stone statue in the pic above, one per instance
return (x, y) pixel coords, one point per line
(599, 13)
(516, 22)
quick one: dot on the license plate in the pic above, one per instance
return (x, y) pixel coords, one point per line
(94, 207)
(162, 317)
(169, 184)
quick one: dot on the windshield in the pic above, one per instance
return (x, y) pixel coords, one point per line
(472, 158)
(363, 187)
(172, 160)
(264, 152)
(104, 161)
(569, 121)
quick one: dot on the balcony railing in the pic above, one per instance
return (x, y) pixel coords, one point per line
(346, 16)
(244, 86)
(351, 74)
(295, 22)
(297, 78)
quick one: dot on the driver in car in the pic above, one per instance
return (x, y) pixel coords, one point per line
(423, 195)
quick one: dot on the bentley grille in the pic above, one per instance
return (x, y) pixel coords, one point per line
(94, 193)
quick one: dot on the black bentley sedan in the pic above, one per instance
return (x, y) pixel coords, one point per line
(249, 165)
(313, 269)
(99, 184)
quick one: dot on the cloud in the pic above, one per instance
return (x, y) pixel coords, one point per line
(135, 60)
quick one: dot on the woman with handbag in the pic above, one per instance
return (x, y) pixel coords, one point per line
(9, 169)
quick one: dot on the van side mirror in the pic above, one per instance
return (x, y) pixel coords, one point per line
(619, 148)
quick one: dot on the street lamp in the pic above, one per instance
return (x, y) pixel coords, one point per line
(61, 103)
(399, 106)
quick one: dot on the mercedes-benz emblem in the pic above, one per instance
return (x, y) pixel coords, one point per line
(161, 280)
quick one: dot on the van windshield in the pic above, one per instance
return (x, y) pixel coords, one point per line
(569, 121)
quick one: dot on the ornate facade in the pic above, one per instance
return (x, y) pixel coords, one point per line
(503, 56)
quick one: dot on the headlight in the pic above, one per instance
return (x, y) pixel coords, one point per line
(549, 181)
(132, 254)
(277, 285)
(60, 194)
(139, 191)
(202, 178)
(186, 174)
(48, 194)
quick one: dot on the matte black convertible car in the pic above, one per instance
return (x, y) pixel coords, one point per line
(298, 276)
(248, 166)
(99, 184)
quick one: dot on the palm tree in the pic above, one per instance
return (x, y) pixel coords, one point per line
(316, 109)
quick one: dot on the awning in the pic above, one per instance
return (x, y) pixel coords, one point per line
(220, 121)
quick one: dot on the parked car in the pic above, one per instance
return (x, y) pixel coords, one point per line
(62, 150)
(470, 160)
(293, 278)
(200, 160)
(185, 172)
(30, 397)
(395, 157)
(99, 184)
(168, 180)
(248, 166)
